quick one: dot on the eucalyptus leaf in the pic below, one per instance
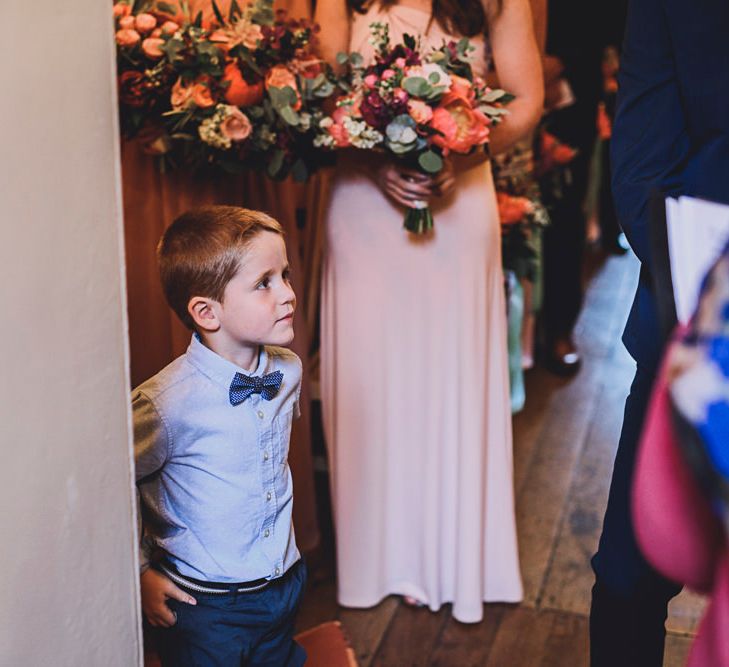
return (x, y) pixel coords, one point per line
(299, 171)
(431, 162)
(342, 58)
(277, 160)
(289, 115)
(416, 85)
(356, 59)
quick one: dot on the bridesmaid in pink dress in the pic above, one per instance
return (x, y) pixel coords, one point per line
(414, 362)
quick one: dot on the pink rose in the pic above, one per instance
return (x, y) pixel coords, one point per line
(127, 37)
(151, 47)
(170, 27)
(126, 22)
(340, 136)
(121, 9)
(236, 125)
(371, 80)
(181, 95)
(420, 112)
(388, 74)
(400, 62)
(145, 22)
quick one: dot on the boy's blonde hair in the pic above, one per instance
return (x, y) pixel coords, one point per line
(200, 252)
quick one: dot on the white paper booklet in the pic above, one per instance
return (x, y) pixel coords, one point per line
(698, 231)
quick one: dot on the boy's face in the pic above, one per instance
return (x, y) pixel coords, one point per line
(258, 303)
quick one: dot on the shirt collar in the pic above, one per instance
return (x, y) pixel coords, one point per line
(218, 369)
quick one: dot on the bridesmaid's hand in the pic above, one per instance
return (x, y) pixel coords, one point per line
(445, 180)
(405, 186)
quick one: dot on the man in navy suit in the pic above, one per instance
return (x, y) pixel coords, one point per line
(671, 134)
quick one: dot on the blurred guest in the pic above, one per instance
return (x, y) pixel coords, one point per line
(576, 37)
(671, 133)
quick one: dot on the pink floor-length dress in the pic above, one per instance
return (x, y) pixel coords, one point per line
(415, 386)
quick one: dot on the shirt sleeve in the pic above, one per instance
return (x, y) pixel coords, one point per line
(151, 446)
(297, 402)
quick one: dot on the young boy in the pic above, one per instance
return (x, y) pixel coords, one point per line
(221, 575)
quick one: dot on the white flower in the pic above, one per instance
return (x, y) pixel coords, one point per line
(325, 140)
(209, 129)
(326, 122)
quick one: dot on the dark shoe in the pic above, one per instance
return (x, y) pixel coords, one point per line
(563, 358)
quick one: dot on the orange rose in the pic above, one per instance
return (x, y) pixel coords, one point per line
(222, 40)
(170, 27)
(127, 37)
(460, 89)
(280, 76)
(201, 94)
(461, 126)
(419, 111)
(512, 209)
(181, 96)
(145, 22)
(121, 9)
(151, 45)
(240, 93)
(126, 22)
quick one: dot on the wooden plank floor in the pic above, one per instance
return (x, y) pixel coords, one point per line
(564, 445)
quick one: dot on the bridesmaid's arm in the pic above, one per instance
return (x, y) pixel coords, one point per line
(334, 21)
(519, 66)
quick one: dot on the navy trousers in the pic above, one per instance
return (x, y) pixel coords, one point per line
(629, 599)
(252, 629)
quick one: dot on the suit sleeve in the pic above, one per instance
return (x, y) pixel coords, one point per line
(151, 446)
(650, 143)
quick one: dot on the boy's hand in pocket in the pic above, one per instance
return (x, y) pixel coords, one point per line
(156, 590)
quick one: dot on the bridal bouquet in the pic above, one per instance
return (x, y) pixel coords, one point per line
(240, 91)
(415, 106)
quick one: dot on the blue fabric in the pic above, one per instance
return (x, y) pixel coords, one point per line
(253, 629)
(671, 130)
(244, 386)
(213, 478)
(630, 598)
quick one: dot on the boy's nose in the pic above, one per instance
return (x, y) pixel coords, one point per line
(288, 295)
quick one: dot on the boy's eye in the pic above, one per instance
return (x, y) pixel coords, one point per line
(264, 284)
(286, 275)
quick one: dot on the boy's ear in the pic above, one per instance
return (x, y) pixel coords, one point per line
(203, 313)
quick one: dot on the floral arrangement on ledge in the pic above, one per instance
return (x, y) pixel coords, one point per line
(416, 106)
(243, 91)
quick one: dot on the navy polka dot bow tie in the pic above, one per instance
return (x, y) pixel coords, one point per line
(244, 385)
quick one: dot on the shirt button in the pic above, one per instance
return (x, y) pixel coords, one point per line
(278, 570)
(260, 414)
(268, 496)
(266, 532)
(265, 456)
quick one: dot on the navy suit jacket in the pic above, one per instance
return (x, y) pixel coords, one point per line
(671, 130)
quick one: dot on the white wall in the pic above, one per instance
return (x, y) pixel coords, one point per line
(68, 591)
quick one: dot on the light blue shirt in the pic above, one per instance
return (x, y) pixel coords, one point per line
(214, 482)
